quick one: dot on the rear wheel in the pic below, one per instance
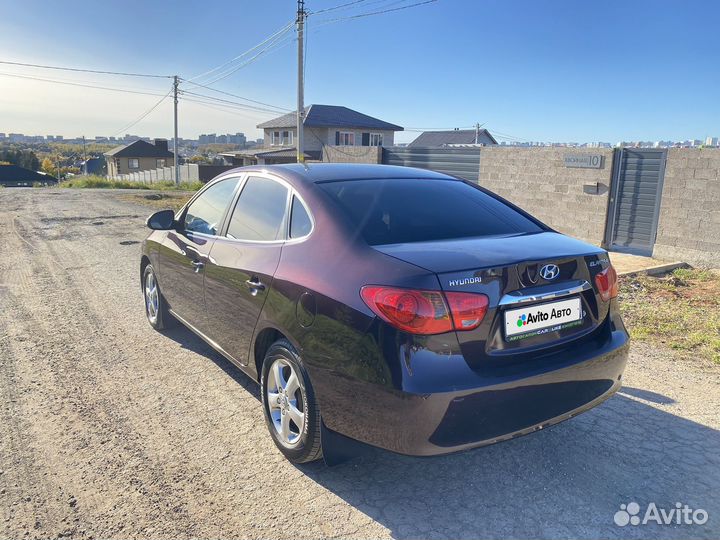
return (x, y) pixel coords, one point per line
(291, 411)
(155, 306)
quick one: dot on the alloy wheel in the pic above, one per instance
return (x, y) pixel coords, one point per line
(152, 297)
(286, 402)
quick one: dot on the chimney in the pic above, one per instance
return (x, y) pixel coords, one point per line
(162, 144)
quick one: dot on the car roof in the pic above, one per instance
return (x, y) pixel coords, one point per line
(324, 172)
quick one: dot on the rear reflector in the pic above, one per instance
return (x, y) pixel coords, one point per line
(425, 312)
(607, 283)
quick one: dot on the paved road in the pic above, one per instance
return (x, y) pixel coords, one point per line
(108, 429)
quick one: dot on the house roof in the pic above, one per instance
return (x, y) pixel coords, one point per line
(10, 174)
(455, 136)
(139, 149)
(270, 152)
(330, 116)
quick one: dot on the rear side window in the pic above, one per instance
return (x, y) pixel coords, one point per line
(300, 224)
(205, 213)
(399, 211)
(260, 211)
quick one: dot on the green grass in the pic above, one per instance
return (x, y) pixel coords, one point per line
(680, 310)
(100, 182)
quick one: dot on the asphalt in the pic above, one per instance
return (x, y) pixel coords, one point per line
(111, 430)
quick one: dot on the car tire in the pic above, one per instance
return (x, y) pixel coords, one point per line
(156, 309)
(284, 399)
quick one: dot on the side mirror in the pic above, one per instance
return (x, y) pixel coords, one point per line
(161, 221)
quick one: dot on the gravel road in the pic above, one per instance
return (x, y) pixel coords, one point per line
(111, 430)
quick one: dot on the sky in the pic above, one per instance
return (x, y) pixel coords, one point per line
(541, 70)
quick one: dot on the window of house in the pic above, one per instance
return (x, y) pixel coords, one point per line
(344, 138)
(281, 138)
(133, 163)
(260, 211)
(159, 163)
(376, 139)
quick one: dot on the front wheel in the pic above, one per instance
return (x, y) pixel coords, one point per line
(155, 307)
(291, 411)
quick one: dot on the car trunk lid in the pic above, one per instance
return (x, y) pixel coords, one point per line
(540, 288)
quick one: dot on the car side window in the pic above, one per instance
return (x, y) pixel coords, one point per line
(300, 224)
(260, 211)
(206, 212)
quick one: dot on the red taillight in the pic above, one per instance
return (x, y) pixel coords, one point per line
(467, 309)
(417, 312)
(425, 312)
(607, 283)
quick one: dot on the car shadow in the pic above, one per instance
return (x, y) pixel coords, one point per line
(188, 340)
(567, 481)
(647, 395)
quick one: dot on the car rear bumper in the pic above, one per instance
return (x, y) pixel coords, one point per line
(495, 409)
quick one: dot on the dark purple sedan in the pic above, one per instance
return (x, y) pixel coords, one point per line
(399, 307)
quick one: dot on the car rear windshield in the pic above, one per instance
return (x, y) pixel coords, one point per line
(398, 211)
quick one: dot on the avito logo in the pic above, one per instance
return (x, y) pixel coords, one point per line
(540, 316)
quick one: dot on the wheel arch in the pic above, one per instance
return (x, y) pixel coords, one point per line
(262, 341)
(144, 261)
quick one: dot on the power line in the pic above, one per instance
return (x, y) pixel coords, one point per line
(502, 135)
(142, 116)
(86, 70)
(235, 95)
(371, 13)
(56, 81)
(267, 48)
(227, 101)
(341, 6)
(437, 128)
(223, 108)
(365, 3)
(280, 32)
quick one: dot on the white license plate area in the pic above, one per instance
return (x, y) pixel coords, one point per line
(537, 319)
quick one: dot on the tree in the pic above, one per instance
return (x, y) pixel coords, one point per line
(22, 158)
(48, 166)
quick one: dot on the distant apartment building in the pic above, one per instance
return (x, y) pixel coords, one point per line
(213, 138)
(711, 141)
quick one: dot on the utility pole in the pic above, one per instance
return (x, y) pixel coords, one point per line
(477, 132)
(84, 156)
(175, 139)
(301, 14)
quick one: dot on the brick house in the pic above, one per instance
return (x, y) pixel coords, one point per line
(331, 133)
(139, 156)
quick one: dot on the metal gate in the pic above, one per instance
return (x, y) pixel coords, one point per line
(635, 200)
(462, 162)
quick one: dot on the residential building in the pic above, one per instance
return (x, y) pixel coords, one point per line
(93, 165)
(139, 156)
(14, 176)
(324, 127)
(454, 137)
(711, 141)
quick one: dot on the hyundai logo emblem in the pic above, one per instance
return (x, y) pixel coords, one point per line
(550, 271)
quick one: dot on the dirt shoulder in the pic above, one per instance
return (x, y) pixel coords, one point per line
(111, 430)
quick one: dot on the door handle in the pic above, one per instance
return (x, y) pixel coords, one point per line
(254, 286)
